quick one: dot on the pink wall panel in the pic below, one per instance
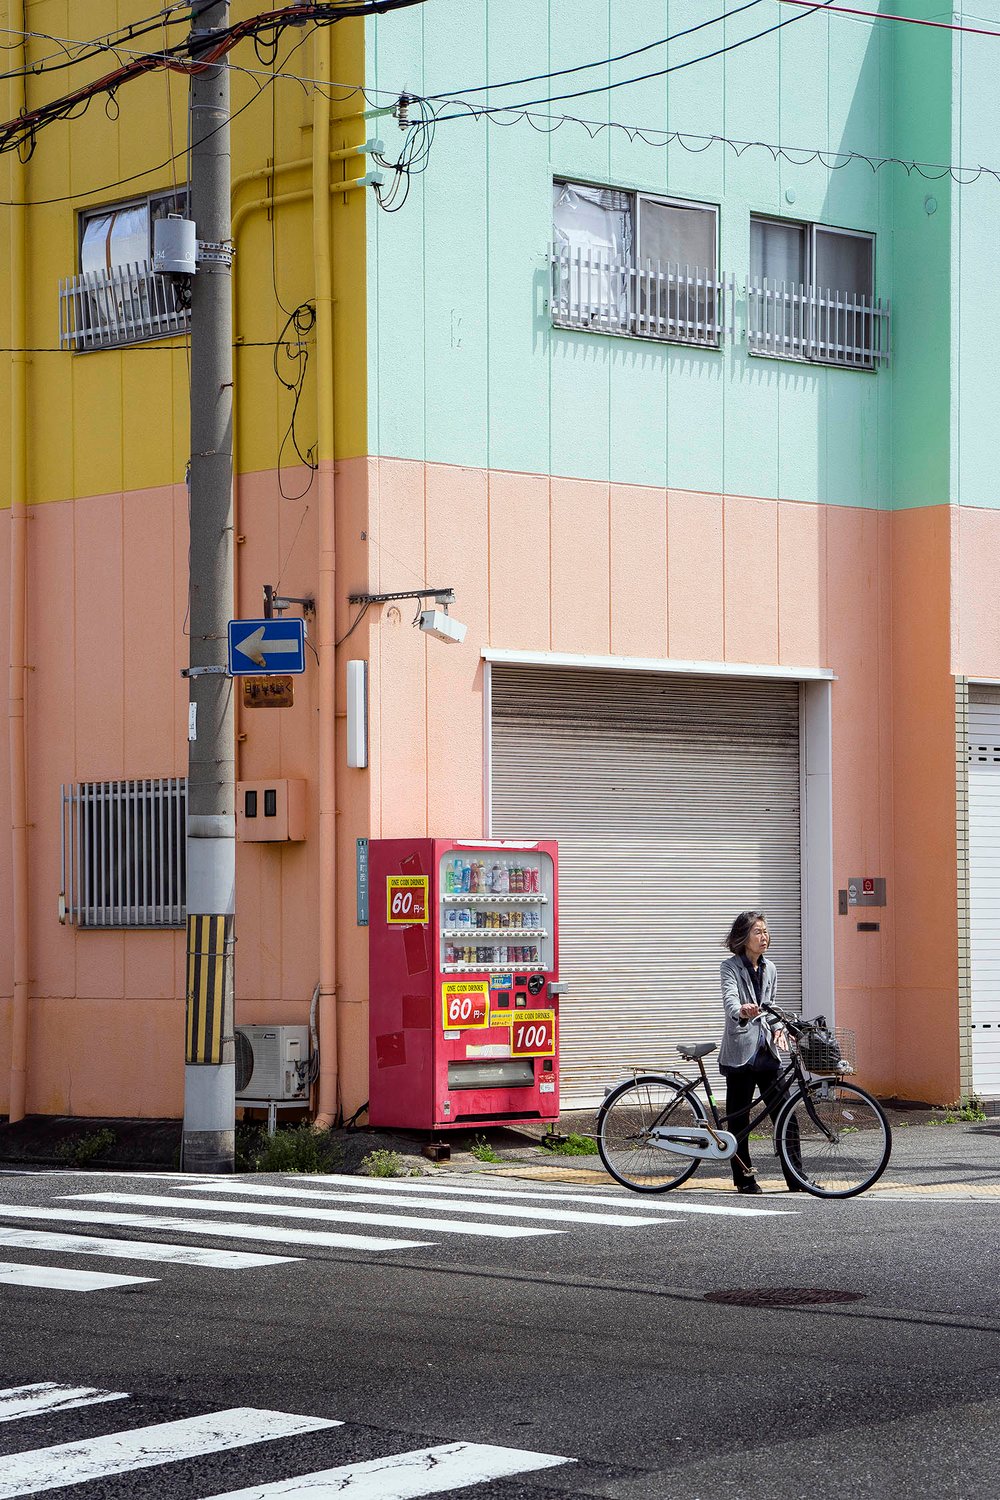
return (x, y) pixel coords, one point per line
(52, 692)
(975, 571)
(580, 565)
(927, 1040)
(106, 1056)
(519, 558)
(6, 887)
(695, 597)
(458, 556)
(857, 611)
(399, 759)
(154, 647)
(802, 592)
(99, 637)
(638, 571)
(750, 550)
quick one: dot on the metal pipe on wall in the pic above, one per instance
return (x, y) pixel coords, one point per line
(328, 1103)
(18, 482)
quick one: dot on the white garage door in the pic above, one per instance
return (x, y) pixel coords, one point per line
(675, 801)
(984, 886)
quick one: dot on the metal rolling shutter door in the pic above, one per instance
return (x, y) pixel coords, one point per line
(675, 801)
(984, 885)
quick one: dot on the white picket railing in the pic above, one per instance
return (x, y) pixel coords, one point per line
(601, 293)
(123, 305)
(799, 322)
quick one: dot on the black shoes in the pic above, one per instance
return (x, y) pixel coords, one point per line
(751, 1185)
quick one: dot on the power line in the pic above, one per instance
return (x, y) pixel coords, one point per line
(880, 15)
(607, 88)
(198, 52)
(604, 61)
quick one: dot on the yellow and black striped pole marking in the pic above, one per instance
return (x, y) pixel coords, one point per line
(209, 988)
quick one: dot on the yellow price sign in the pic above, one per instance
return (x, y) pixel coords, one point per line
(406, 899)
(466, 1004)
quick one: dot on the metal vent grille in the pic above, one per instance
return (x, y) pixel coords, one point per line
(123, 852)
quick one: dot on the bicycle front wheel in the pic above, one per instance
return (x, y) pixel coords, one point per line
(834, 1139)
(623, 1133)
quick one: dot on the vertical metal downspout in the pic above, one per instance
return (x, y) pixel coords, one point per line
(328, 1103)
(18, 588)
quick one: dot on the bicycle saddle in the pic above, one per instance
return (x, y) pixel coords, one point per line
(691, 1050)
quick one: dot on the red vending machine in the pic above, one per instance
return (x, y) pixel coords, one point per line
(464, 964)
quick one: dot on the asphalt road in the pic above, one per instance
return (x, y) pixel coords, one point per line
(592, 1343)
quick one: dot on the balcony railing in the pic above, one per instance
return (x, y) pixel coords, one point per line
(678, 304)
(593, 290)
(796, 322)
(124, 305)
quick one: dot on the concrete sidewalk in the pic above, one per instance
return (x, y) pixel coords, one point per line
(930, 1158)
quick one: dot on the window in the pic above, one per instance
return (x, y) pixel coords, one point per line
(123, 853)
(634, 264)
(115, 298)
(811, 294)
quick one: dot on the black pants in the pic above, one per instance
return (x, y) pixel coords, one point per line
(741, 1084)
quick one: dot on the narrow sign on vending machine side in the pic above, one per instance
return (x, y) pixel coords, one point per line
(406, 898)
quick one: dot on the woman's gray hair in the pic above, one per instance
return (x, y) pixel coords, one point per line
(736, 938)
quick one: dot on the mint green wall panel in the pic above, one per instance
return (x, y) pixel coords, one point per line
(454, 291)
(464, 364)
(921, 378)
(975, 282)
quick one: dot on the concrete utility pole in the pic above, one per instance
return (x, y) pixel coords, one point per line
(210, 1072)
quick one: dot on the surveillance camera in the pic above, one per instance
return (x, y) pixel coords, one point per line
(437, 623)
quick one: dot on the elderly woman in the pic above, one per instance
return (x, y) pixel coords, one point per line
(749, 1054)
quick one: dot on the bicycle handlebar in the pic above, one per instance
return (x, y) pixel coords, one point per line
(795, 1024)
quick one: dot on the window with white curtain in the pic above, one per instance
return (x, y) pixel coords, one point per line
(116, 298)
(633, 263)
(811, 294)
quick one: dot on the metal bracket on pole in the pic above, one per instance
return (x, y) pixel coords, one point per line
(215, 252)
(204, 671)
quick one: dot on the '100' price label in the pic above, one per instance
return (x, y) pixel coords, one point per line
(534, 1037)
(465, 1004)
(406, 898)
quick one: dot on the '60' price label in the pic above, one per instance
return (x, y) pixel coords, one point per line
(406, 898)
(535, 1037)
(466, 1004)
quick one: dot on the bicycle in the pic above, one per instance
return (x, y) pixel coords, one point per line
(832, 1137)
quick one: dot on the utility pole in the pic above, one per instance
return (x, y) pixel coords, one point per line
(210, 1071)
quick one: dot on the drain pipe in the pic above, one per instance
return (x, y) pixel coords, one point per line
(328, 1102)
(18, 468)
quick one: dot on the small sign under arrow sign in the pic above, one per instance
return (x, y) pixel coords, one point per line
(266, 646)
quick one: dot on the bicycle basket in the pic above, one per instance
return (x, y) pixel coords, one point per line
(829, 1050)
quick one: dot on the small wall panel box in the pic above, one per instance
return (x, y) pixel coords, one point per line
(272, 1062)
(271, 812)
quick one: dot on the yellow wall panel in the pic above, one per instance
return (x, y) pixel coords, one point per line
(117, 419)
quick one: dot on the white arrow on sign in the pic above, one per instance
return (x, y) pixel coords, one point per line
(254, 646)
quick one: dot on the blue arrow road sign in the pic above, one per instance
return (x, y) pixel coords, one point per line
(261, 647)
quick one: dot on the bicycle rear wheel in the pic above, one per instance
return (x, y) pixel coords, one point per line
(834, 1139)
(623, 1126)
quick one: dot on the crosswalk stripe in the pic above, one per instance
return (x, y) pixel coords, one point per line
(62, 1278)
(339, 1215)
(46, 1397)
(221, 1229)
(405, 1476)
(183, 1255)
(448, 1205)
(423, 1186)
(145, 1447)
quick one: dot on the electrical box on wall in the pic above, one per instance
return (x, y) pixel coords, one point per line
(271, 812)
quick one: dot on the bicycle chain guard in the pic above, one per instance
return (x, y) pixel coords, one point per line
(694, 1140)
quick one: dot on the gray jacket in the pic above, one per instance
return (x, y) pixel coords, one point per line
(740, 1039)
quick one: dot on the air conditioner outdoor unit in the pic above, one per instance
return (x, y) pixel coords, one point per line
(272, 1062)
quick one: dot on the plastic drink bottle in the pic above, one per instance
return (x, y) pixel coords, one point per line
(465, 877)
